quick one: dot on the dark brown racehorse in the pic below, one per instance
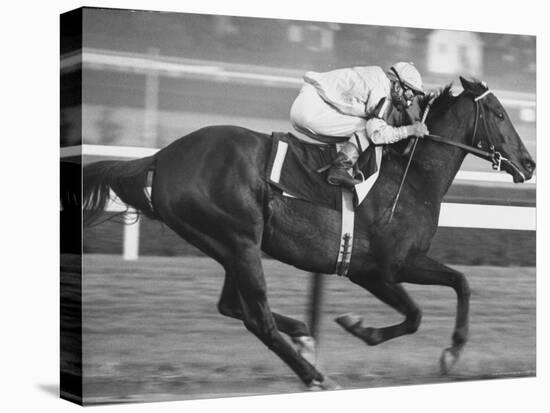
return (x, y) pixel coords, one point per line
(210, 187)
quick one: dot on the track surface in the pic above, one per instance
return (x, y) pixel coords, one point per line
(151, 331)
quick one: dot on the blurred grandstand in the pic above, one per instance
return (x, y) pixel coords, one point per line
(150, 77)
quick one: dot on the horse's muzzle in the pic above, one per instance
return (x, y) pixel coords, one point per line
(521, 171)
(529, 165)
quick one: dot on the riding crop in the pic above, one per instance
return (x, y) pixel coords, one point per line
(409, 162)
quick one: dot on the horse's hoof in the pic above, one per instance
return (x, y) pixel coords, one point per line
(353, 324)
(305, 346)
(325, 384)
(448, 359)
(348, 320)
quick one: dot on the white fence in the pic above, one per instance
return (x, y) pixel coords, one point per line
(452, 215)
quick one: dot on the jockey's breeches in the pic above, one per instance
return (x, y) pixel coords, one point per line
(310, 113)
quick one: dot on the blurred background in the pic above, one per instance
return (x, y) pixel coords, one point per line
(150, 77)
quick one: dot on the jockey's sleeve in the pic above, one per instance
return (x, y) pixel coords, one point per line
(379, 132)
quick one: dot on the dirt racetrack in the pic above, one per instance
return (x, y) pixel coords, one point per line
(151, 331)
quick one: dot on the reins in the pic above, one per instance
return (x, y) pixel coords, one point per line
(493, 156)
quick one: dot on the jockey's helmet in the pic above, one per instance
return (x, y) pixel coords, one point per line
(408, 76)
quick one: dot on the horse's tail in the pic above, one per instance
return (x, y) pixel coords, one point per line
(126, 178)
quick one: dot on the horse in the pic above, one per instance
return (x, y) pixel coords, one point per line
(210, 187)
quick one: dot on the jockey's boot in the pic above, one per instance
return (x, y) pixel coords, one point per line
(338, 172)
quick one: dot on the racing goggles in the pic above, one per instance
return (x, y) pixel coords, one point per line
(408, 91)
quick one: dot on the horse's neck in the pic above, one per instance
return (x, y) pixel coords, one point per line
(438, 163)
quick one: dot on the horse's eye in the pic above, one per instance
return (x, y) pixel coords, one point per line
(500, 115)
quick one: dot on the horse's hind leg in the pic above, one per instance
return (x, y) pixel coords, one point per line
(258, 319)
(242, 262)
(230, 306)
(427, 271)
(392, 294)
(233, 239)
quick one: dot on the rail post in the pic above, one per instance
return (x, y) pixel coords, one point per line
(315, 303)
(130, 248)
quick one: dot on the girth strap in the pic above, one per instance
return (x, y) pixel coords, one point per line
(346, 238)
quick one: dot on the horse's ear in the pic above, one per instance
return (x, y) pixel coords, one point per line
(466, 84)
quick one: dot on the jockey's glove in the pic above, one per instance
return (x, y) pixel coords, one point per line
(418, 129)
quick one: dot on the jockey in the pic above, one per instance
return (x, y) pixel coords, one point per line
(356, 102)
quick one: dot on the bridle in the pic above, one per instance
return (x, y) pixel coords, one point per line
(476, 146)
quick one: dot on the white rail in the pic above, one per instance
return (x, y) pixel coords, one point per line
(130, 152)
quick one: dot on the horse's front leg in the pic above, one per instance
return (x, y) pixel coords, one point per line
(388, 291)
(424, 270)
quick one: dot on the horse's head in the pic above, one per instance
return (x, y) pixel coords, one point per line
(493, 132)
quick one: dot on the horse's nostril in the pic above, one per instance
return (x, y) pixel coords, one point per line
(529, 165)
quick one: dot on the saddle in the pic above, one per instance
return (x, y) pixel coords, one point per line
(293, 165)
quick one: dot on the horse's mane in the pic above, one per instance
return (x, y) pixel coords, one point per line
(441, 104)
